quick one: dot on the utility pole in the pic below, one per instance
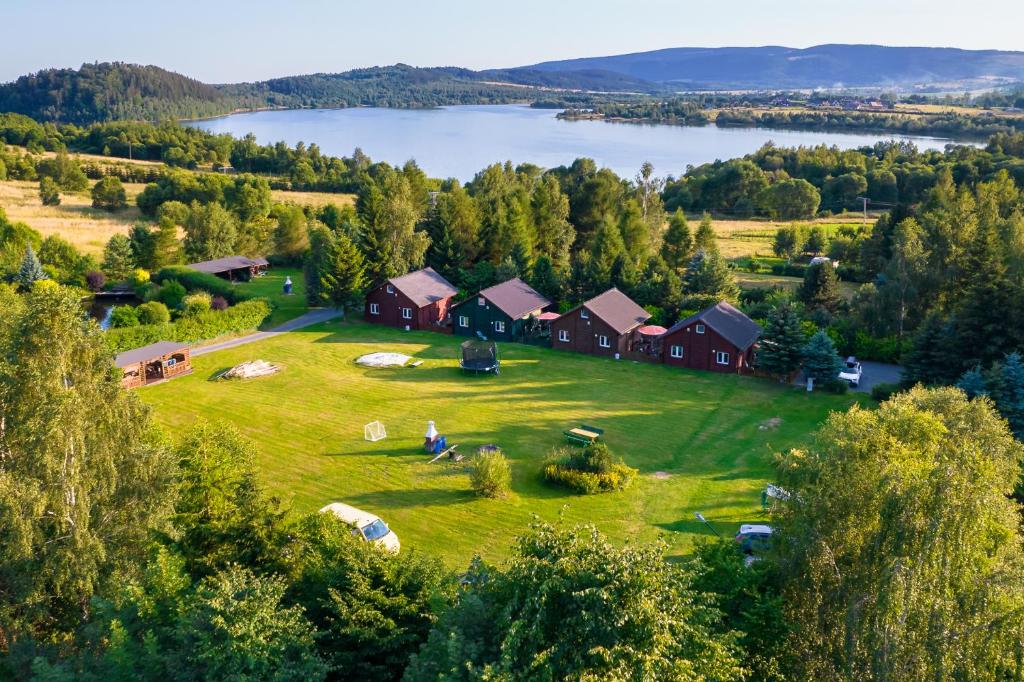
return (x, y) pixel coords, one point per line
(865, 200)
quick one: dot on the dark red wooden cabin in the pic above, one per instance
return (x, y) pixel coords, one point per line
(418, 300)
(603, 325)
(718, 339)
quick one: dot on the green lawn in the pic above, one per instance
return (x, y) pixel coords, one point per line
(271, 286)
(693, 435)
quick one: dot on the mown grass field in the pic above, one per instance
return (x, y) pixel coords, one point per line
(694, 436)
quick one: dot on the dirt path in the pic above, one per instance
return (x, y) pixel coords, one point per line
(310, 318)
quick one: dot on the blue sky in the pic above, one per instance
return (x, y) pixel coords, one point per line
(231, 40)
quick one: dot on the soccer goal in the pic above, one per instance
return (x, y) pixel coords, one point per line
(374, 431)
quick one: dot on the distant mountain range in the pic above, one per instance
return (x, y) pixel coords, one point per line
(114, 91)
(822, 66)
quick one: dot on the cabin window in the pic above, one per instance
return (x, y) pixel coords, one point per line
(563, 335)
(584, 315)
(406, 313)
(499, 326)
(481, 301)
(722, 358)
(463, 321)
(390, 289)
(603, 341)
(375, 308)
(676, 351)
(700, 329)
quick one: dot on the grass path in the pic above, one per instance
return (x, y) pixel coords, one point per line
(699, 428)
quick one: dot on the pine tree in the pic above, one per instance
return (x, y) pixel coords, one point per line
(933, 357)
(820, 288)
(506, 270)
(677, 244)
(821, 361)
(343, 280)
(972, 382)
(982, 330)
(708, 276)
(1009, 394)
(705, 237)
(545, 280)
(49, 192)
(166, 245)
(118, 260)
(31, 271)
(780, 350)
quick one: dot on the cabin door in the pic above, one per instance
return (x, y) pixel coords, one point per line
(154, 371)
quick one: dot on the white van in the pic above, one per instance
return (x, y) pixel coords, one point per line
(367, 526)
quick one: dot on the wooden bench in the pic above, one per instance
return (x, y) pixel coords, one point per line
(583, 435)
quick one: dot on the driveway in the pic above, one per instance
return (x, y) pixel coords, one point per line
(877, 373)
(310, 318)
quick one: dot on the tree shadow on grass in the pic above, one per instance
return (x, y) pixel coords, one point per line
(410, 499)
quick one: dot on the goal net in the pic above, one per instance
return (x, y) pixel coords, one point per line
(374, 431)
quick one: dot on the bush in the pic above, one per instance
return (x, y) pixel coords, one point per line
(837, 386)
(491, 475)
(171, 294)
(139, 278)
(591, 470)
(884, 391)
(95, 280)
(197, 303)
(124, 316)
(109, 194)
(218, 303)
(153, 312)
(193, 280)
(240, 318)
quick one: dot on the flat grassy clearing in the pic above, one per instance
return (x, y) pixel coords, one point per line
(744, 238)
(313, 198)
(699, 430)
(271, 286)
(749, 280)
(75, 219)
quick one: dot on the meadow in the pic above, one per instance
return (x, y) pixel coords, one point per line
(702, 442)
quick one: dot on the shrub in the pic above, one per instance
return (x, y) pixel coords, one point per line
(193, 280)
(171, 294)
(591, 470)
(124, 316)
(109, 194)
(240, 318)
(153, 312)
(95, 280)
(49, 193)
(218, 303)
(884, 391)
(837, 386)
(197, 303)
(139, 278)
(491, 475)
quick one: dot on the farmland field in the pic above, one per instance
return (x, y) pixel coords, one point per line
(702, 442)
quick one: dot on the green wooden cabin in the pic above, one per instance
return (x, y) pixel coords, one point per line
(499, 313)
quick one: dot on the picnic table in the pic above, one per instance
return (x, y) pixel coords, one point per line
(583, 434)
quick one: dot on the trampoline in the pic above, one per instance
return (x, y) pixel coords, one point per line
(479, 356)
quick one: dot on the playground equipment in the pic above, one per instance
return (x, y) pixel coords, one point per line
(480, 356)
(374, 431)
(437, 445)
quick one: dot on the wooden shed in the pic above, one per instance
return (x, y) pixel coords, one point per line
(501, 312)
(719, 339)
(153, 363)
(604, 325)
(233, 268)
(418, 300)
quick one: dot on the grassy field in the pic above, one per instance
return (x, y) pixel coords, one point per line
(696, 437)
(271, 286)
(744, 238)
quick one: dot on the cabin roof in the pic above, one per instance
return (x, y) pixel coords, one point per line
(729, 322)
(515, 298)
(424, 286)
(227, 264)
(616, 310)
(150, 352)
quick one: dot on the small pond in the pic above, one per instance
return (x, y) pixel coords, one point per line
(100, 306)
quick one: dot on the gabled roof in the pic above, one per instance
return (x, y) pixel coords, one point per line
(150, 352)
(226, 264)
(515, 298)
(730, 323)
(423, 287)
(616, 310)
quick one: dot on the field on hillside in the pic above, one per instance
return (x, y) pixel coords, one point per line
(744, 238)
(696, 437)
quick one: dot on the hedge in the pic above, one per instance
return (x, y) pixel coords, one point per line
(588, 471)
(239, 318)
(193, 280)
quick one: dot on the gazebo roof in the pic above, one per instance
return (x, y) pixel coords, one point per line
(153, 350)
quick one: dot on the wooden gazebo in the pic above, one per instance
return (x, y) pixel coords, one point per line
(153, 363)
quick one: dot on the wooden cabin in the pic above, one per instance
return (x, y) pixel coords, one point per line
(499, 313)
(153, 363)
(604, 325)
(418, 300)
(233, 268)
(718, 339)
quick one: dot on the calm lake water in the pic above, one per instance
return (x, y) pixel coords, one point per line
(458, 141)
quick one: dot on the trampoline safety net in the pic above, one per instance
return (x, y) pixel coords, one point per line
(479, 356)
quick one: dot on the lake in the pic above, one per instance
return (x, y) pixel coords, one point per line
(458, 141)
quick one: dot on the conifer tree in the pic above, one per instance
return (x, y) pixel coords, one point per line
(545, 280)
(31, 271)
(821, 361)
(705, 237)
(972, 382)
(708, 276)
(1008, 393)
(780, 350)
(677, 244)
(118, 259)
(820, 288)
(166, 245)
(981, 327)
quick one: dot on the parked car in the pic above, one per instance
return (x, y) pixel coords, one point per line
(851, 373)
(754, 539)
(365, 525)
